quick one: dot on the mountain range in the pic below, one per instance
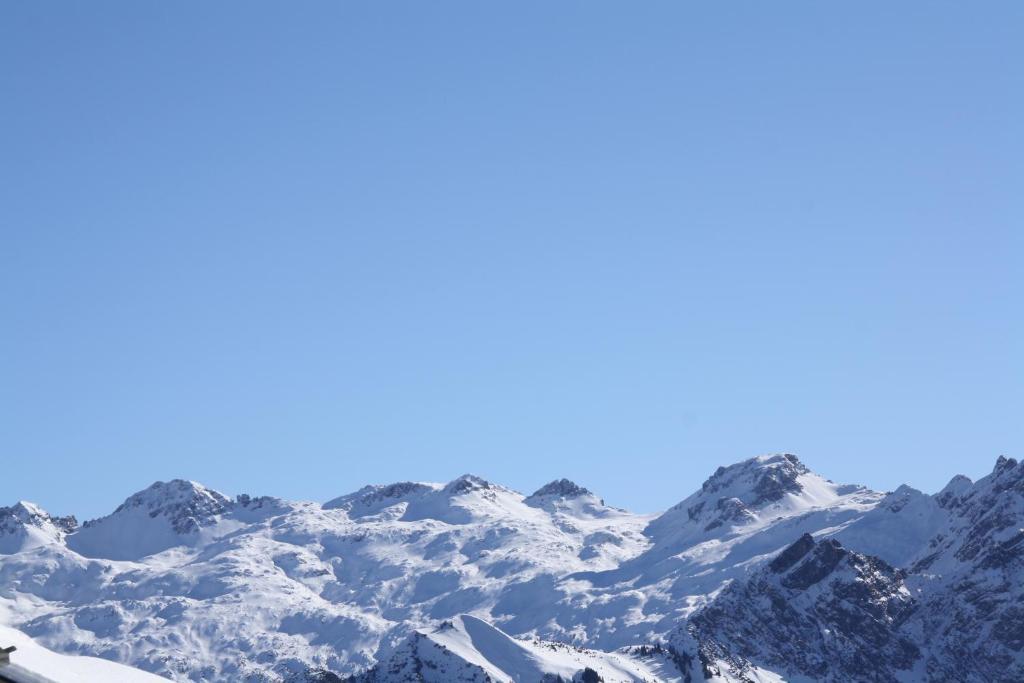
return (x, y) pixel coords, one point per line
(769, 572)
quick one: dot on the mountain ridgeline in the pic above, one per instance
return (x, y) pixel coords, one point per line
(769, 572)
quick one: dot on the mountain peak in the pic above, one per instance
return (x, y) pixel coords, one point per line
(28, 513)
(162, 516)
(467, 483)
(1004, 464)
(561, 488)
(767, 478)
(25, 525)
(753, 493)
(951, 492)
(187, 504)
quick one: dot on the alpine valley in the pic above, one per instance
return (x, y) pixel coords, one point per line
(769, 572)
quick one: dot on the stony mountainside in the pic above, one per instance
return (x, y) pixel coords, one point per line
(832, 581)
(816, 610)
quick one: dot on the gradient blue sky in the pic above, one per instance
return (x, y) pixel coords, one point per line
(293, 248)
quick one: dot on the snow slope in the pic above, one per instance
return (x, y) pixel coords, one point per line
(31, 662)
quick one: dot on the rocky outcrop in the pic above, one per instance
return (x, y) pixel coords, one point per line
(817, 610)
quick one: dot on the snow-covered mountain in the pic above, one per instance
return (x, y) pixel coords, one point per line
(396, 581)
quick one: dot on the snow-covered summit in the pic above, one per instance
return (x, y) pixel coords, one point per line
(186, 504)
(25, 525)
(759, 480)
(164, 515)
(753, 493)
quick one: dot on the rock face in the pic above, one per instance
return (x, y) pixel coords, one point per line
(817, 610)
(768, 570)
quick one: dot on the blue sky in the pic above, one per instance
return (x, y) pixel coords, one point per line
(295, 248)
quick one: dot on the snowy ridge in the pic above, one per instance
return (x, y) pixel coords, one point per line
(468, 649)
(191, 584)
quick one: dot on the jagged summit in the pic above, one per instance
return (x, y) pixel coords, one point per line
(1004, 463)
(561, 488)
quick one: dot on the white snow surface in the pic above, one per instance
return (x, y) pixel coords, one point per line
(32, 662)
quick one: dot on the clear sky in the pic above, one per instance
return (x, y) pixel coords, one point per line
(293, 248)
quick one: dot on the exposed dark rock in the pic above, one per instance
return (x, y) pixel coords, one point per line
(817, 610)
(793, 554)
